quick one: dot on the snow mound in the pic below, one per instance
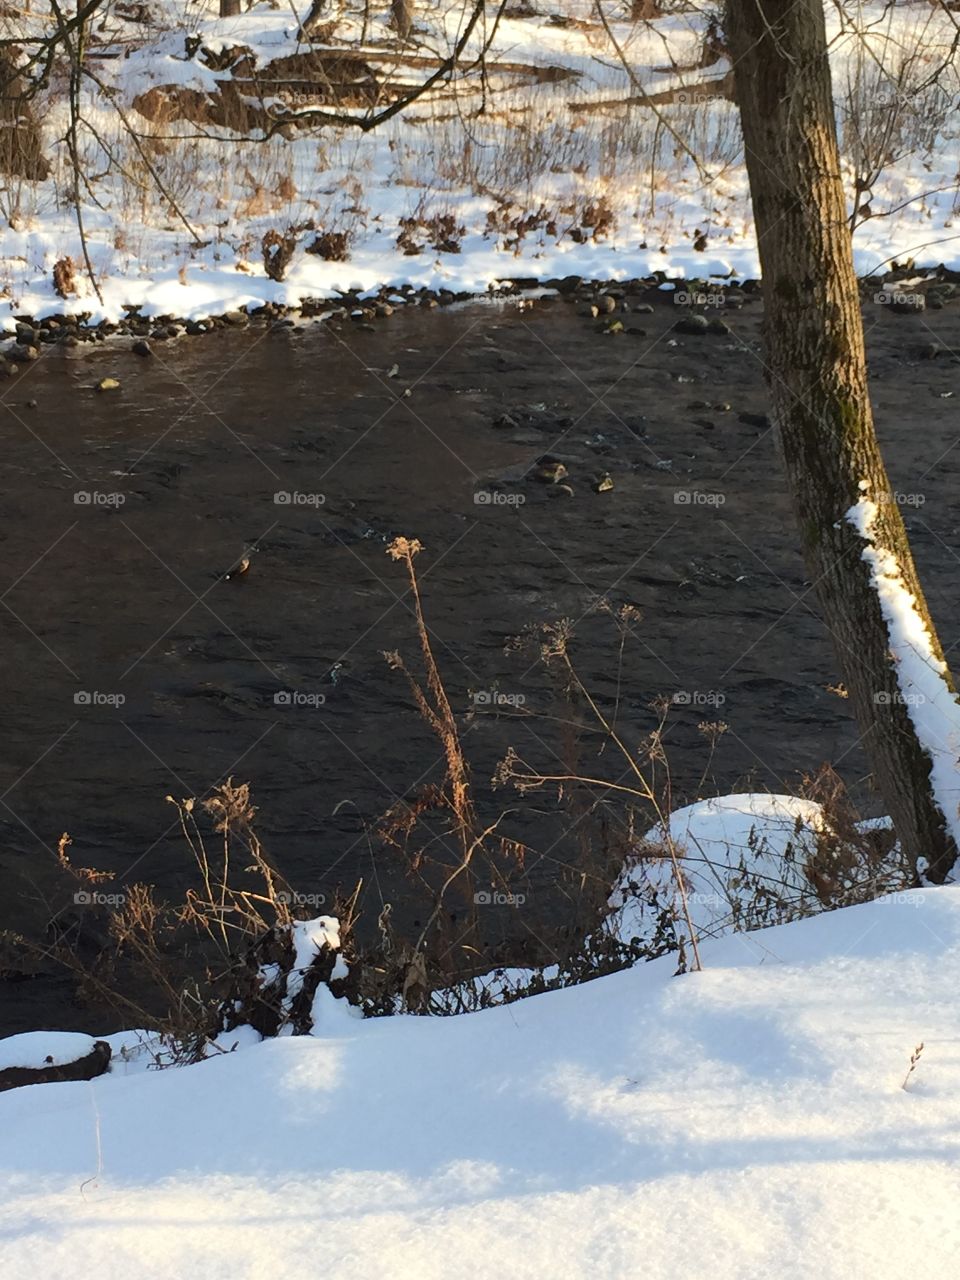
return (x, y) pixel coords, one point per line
(727, 846)
(36, 1049)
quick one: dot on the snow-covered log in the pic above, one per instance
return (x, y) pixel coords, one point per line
(44, 1057)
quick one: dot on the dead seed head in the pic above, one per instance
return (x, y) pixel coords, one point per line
(186, 804)
(627, 616)
(404, 548)
(62, 844)
(555, 638)
(230, 806)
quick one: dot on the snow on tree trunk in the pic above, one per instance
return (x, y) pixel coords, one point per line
(923, 676)
(816, 370)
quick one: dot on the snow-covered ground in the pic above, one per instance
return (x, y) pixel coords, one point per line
(750, 1120)
(602, 187)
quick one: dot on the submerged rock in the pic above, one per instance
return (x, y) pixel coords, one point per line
(693, 325)
(754, 420)
(903, 304)
(549, 471)
(23, 353)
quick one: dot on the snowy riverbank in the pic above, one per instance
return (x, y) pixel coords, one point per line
(563, 172)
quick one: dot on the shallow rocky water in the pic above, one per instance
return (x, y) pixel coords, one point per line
(125, 596)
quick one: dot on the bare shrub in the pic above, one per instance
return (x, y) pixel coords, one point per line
(225, 954)
(515, 227)
(596, 221)
(648, 781)
(899, 92)
(332, 246)
(462, 865)
(172, 966)
(64, 277)
(407, 241)
(278, 249)
(441, 231)
(853, 861)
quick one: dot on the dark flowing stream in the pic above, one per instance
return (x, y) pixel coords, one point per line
(133, 670)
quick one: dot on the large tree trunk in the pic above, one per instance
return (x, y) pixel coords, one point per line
(313, 19)
(816, 369)
(21, 144)
(402, 17)
(229, 8)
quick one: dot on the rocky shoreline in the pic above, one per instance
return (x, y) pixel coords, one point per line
(901, 290)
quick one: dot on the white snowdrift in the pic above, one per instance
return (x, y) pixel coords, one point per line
(745, 1121)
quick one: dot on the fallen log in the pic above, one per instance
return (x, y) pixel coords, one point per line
(690, 94)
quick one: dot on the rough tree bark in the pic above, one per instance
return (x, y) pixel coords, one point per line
(313, 19)
(21, 149)
(816, 370)
(402, 11)
(229, 8)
